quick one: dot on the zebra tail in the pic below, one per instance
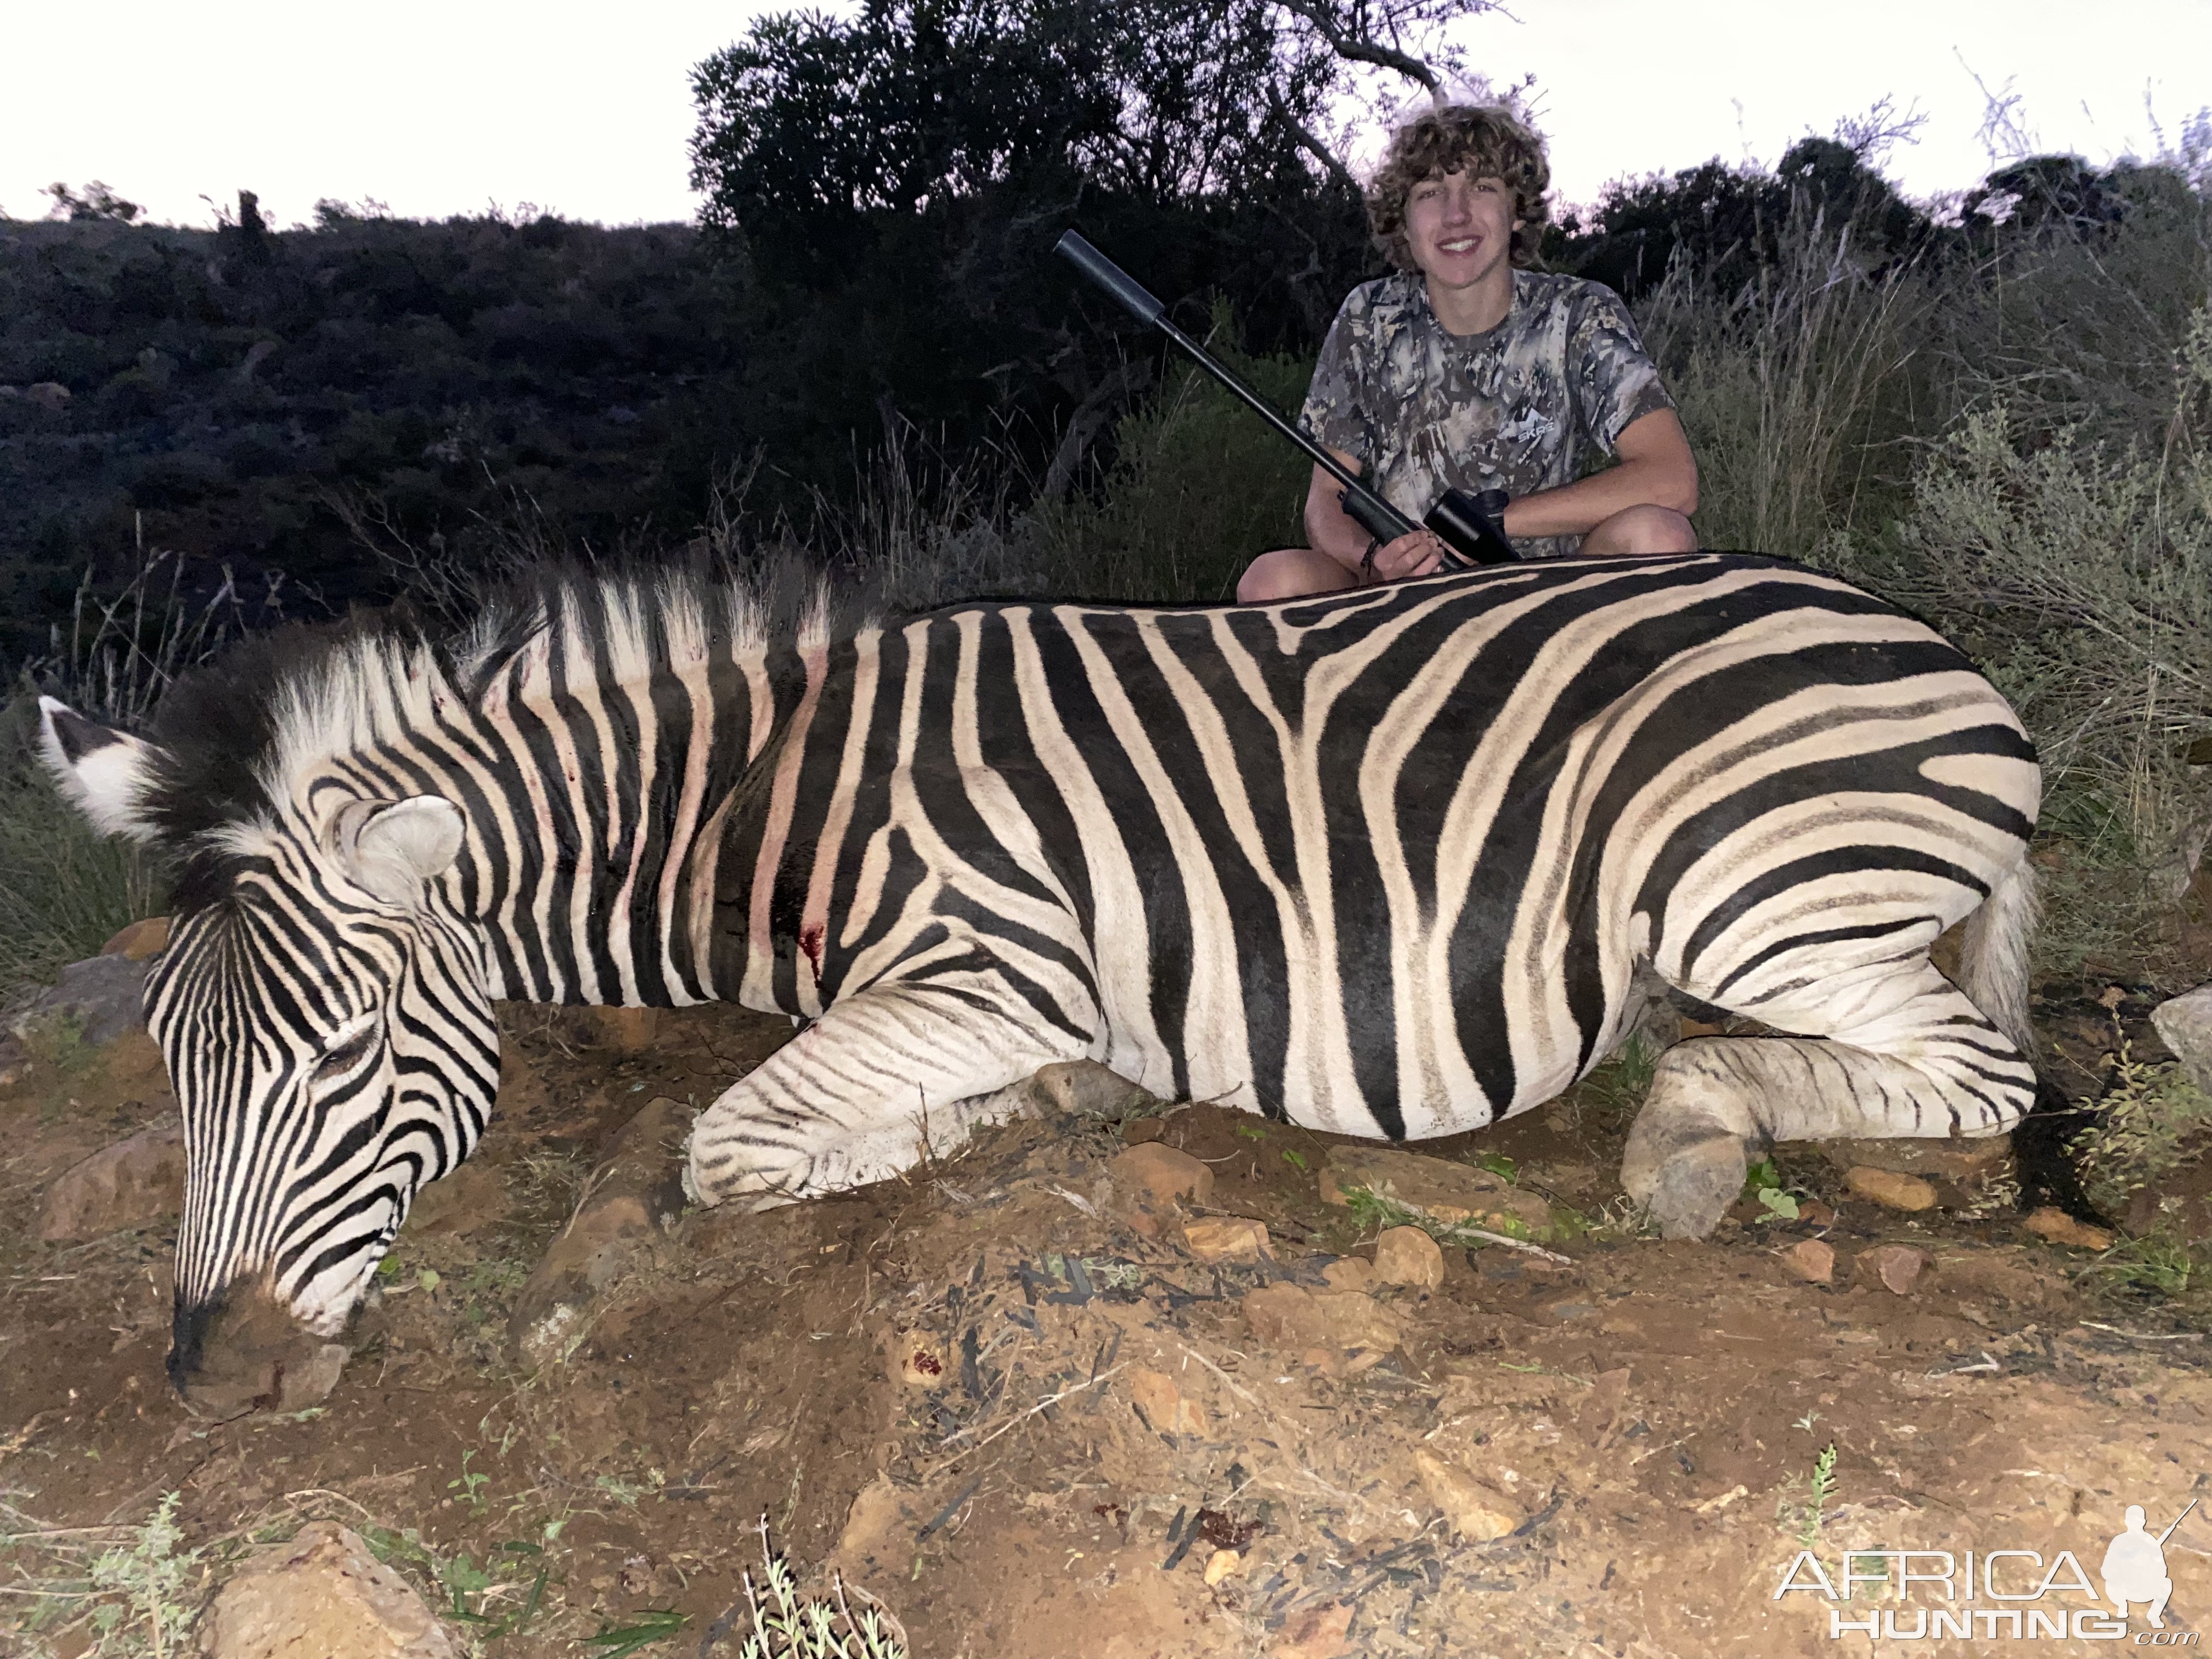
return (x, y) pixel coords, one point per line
(1993, 956)
(1993, 964)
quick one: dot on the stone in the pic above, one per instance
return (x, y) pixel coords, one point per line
(1474, 1511)
(94, 1002)
(136, 1182)
(48, 394)
(1444, 1191)
(1224, 1564)
(1317, 1633)
(322, 1594)
(2060, 1228)
(1351, 1273)
(1896, 1267)
(1812, 1260)
(1406, 1255)
(635, 1194)
(1226, 1238)
(1348, 1331)
(1889, 1187)
(924, 1360)
(2184, 1023)
(1968, 1160)
(1161, 1175)
(1164, 1405)
(140, 941)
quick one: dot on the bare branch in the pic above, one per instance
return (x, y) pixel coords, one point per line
(1359, 49)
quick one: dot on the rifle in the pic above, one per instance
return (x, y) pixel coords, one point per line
(1468, 525)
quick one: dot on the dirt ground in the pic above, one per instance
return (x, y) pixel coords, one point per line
(1028, 1428)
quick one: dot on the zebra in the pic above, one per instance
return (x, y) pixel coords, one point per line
(1388, 864)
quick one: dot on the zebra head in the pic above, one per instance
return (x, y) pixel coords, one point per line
(322, 1010)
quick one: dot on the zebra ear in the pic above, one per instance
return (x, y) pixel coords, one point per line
(390, 848)
(100, 771)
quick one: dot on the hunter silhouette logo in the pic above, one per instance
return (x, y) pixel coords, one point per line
(2134, 1566)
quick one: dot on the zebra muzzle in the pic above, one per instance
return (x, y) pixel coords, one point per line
(245, 1352)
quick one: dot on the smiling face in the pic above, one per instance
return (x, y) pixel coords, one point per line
(1459, 227)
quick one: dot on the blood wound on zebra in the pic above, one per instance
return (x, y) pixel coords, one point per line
(1395, 864)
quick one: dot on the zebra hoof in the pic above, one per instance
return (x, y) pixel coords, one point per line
(1689, 1190)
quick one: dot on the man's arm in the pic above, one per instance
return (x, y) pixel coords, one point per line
(1656, 469)
(1331, 530)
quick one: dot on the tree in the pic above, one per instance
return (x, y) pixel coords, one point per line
(97, 202)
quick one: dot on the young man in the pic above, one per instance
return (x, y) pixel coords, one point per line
(1463, 372)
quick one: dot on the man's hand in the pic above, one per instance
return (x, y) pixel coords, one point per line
(1419, 553)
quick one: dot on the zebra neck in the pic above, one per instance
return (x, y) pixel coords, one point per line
(593, 855)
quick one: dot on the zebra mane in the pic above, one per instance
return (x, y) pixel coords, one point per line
(233, 733)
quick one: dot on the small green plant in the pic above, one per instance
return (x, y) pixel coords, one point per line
(469, 1484)
(787, 1625)
(1250, 1132)
(2157, 1264)
(1501, 1166)
(1803, 1519)
(653, 1624)
(2152, 1119)
(627, 1492)
(150, 1575)
(1374, 1212)
(1295, 1159)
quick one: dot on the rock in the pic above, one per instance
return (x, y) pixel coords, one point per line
(1348, 1330)
(1351, 1273)
(136, 1181)
(94, 1002)
(880, 1515)
(1812, 1260)
(1813, 1212)
(1890, 1188)
(1474, 1511)
(636, 1192)
(1406, 1255)
(1969, 1161)
(1161, 1174)
(1224, 1564)
(2184, 1023)
(924, 1360)
(1226, 1238)
(2061, 1228)
(322, 1594)
(48, 394)
(1897, 1266)
(1447, 1192)
(140, 941)
(1317, 1633)
(1149, 1179)
(1164, 1405)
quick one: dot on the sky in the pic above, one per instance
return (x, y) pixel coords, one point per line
(441, 108)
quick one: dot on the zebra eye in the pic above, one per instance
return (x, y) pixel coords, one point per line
(348, 1047)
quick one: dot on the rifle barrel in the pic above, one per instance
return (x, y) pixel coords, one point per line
(1140, 303)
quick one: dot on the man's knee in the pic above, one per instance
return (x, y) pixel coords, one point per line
(1291, 573)
(1646, 529)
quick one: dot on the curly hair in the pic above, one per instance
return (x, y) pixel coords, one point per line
(1487, 140)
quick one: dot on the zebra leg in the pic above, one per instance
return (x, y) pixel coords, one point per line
(1905, 1055)
(882, 1080)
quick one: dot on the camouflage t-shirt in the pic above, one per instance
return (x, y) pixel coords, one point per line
(1516, 408)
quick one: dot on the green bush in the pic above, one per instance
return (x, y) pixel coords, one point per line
(2078, 574)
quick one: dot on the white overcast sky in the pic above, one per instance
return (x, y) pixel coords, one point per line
(441, 108)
